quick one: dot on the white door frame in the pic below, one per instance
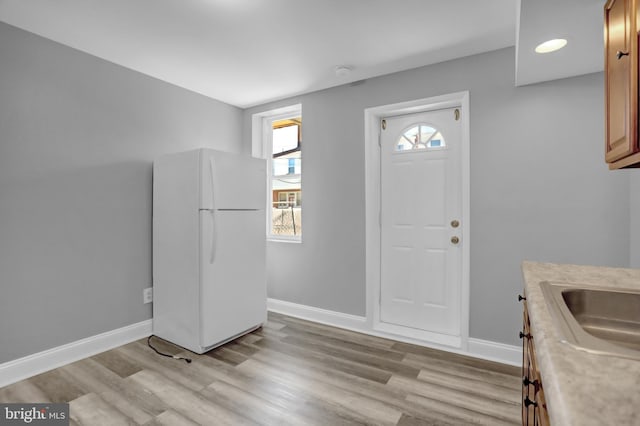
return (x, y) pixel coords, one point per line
(372, 118)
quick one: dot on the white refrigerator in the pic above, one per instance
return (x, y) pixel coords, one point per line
(209, 241)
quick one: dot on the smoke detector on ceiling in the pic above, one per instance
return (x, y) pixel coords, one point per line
(343, 71)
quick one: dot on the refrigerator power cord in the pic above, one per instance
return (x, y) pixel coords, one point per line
(188, 360)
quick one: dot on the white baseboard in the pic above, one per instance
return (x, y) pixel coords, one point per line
(477, 348)
(323, 316)
(495, 351)
(30, 365)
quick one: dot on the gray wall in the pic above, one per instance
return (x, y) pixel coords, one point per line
(77, 139)
(539, 187)
(78, 136)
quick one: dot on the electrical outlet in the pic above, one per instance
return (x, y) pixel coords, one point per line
(147, 295)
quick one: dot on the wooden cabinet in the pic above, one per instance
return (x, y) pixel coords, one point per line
(621, 83)
(534, 406)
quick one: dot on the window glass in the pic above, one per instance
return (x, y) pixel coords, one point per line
(421, 136)
(286, 178)
(285, 138)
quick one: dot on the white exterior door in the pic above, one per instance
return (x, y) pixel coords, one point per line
(421, 207)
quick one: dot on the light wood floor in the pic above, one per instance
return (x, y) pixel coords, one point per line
(290, 372)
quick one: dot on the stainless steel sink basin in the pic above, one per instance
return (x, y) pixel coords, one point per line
(596, 319)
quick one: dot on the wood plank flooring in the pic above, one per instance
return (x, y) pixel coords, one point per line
(290, 372)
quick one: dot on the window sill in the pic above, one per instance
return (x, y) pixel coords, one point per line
(284, 240)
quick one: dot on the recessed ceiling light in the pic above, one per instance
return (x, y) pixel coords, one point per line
(551, 45)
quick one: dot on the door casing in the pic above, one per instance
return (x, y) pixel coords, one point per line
(372, 118)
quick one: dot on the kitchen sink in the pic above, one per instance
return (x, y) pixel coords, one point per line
(596, 319)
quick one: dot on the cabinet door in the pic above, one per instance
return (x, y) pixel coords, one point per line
(621, 75)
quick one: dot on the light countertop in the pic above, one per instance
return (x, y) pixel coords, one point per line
(581, 388)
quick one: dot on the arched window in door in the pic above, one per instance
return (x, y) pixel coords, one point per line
(420, 136)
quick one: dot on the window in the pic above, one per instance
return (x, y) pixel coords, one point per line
(421, 136)
(277, 137)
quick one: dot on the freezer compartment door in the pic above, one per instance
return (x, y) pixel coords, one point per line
(232, 181)
(233, 273)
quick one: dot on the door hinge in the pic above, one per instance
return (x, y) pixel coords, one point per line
(383, 124)
(456, 114)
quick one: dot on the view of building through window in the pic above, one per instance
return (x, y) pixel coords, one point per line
(421, 136)
(286, 178)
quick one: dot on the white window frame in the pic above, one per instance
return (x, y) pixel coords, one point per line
(262, 147)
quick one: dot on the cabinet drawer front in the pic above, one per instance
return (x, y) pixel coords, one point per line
(534, 407)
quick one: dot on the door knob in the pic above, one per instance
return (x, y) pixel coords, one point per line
(455, 223)
(455, 240)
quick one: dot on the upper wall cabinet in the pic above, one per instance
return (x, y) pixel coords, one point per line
(621, 84)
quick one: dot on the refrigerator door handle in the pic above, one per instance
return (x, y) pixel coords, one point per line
(213, 182)
(213, 211)
(213, 236)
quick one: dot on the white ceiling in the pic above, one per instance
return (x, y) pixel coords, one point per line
(247, 52)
